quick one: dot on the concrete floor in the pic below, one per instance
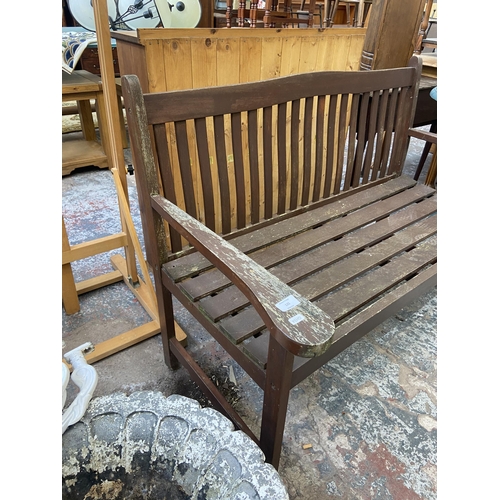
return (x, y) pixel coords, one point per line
(370, 414)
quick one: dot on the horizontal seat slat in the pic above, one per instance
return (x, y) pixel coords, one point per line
(369, 235)
(325, 270)
(350, 298)
(194, 263)
(348, 331)
(352, 329)
(335, 276)
(230, 299)
(248, 322)
(214, 281)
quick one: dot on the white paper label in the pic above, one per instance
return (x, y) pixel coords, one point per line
(296, 319)
(287, 303)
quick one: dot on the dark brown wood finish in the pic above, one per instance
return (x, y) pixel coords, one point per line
(336, 240)
(188, 104)
(206, 177)
(253, 151)
(209, 388)
(314, 115)
(194, 263)
(223, 173)
(324, 237)
(282, 135)
(268, 162)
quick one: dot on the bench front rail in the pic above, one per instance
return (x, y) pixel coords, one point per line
(275, 212)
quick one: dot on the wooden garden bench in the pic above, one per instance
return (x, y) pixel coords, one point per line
(276, 213)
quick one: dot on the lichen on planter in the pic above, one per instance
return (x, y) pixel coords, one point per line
(148, 446)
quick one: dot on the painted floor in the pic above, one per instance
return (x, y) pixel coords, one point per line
(364, 426)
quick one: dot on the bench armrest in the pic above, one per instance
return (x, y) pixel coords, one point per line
(298, 325)
(423, 135)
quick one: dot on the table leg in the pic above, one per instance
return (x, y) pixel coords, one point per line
(86, 120)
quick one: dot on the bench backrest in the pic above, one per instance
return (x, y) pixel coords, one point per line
(239, 155)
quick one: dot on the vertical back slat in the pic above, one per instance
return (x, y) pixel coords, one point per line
(268, 162)
(389, 127)
(281, 157)
(381, 116)
(220, 150)
(185, 167)
(320, 125)
(330, 146)
(205, 172)
(344, 99)
(253, 152)
(351, 148)
(163, 156)
(238, 169)
(162, 149)
(400, 131)
(370, 139)
(361, 139)
(294, 154)
(306, 162)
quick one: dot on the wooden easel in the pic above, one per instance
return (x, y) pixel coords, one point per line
(125, 268)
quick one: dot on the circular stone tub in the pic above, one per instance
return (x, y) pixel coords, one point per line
(148, 446)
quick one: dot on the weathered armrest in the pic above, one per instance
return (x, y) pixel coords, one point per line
(298, 325)
(423, 135)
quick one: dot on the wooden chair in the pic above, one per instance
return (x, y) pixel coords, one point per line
(243, 14)
(270, 16)
(274, 18)
(355, 17)
(281, 221)
(302, 12)
(423, 39)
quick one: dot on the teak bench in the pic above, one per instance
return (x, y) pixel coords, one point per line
(276, 213)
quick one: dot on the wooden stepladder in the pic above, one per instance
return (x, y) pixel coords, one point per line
(124, 268)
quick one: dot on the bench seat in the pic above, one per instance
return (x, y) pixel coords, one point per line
(346, 256)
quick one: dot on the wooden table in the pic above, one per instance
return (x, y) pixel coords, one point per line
(82, 87)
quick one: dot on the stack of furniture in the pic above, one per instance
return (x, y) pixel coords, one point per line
(356, 12)
(271, 16)
(429, 21)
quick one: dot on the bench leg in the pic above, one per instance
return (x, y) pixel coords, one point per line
(276, 393)
(167, 323)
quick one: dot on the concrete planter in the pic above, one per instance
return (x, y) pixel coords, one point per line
(147, 446)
